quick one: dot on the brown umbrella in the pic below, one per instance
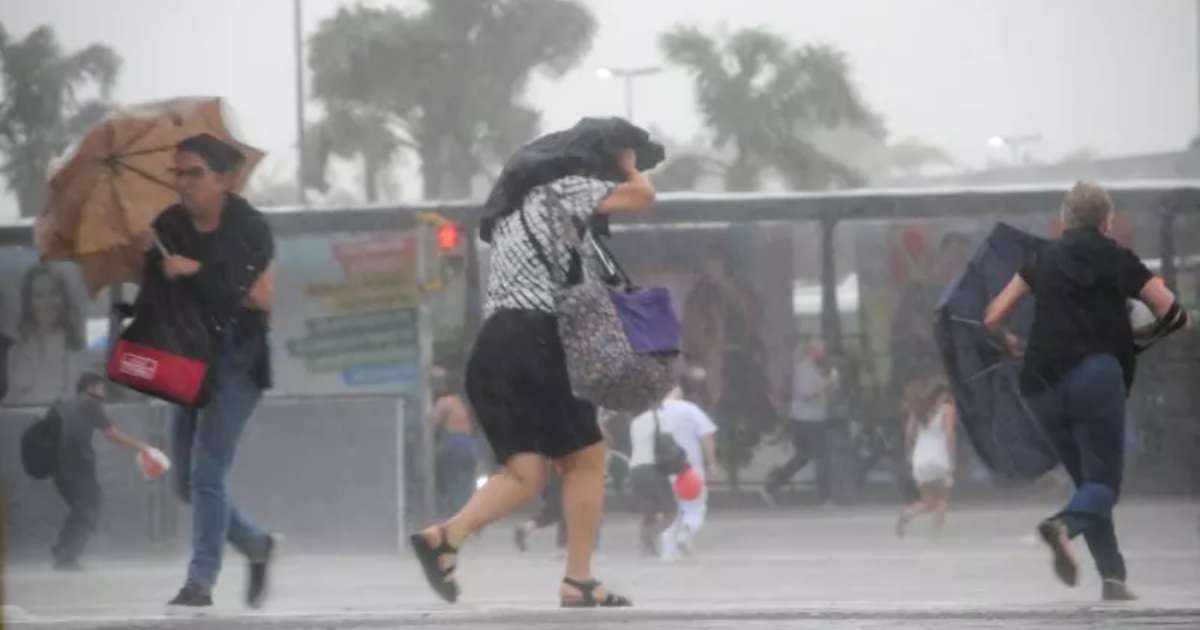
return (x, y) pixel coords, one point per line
(104, 197)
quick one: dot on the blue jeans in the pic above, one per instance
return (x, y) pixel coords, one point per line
(204, 442)
(1083, 416)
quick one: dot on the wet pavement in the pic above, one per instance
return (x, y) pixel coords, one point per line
(817, 568)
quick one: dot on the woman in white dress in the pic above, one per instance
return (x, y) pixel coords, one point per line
(932, 447)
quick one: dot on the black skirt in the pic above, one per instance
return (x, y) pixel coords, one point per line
(517, 384)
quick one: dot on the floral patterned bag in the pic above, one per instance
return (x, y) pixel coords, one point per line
(621, 341)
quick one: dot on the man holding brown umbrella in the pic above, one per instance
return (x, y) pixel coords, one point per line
(205, 268)
(216, 259)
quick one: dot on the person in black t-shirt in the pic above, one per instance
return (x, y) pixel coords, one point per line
(81, 416)
(215, 281)
(1079, 364)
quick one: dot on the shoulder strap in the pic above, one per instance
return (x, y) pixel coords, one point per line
(612, 269)
(538, 249)
(574, 272)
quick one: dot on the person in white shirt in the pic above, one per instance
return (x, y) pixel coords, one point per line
(812, 385)
(693, 431)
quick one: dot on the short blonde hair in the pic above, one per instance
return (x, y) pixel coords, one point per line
(1087, 205)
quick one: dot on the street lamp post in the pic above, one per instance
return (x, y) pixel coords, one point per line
(298, 42)
(628, 75)
(1014, 144)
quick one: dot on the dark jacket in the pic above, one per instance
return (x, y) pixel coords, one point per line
(191, 315)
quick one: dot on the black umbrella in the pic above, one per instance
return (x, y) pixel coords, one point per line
(586, 147)
(985, 381)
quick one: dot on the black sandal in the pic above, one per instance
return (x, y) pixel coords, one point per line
(441, 580)
(587, 590)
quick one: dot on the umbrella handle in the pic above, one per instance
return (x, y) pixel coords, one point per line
(1004, 351)
(162, 249)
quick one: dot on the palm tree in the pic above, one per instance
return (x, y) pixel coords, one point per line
(447, 81)
(466, 112)
(762, 100)
(350, 66)
(50, 98)
(448, 78)
(350, 134)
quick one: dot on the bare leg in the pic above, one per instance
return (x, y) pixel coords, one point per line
(522, 479)
(583, 502)
(913, 511)
(925, 504)
(941, 505)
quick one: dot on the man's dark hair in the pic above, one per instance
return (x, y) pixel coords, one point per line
(88, 380)
(218, 154)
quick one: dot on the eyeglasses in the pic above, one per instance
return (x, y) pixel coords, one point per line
(194, 172)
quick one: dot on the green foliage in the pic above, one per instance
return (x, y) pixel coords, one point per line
(762, 100)
(445, 80)
(50, 98)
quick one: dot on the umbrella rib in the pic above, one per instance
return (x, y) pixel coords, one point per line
(152, 178)
(985, 371)
(120, 206)
(137, 137)
(145, 152)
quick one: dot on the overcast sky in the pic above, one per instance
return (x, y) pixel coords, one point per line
(1117, 76)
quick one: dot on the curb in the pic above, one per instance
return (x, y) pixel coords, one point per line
(554, 617)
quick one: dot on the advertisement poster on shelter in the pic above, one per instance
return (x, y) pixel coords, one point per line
(345, 315)
(43, 343)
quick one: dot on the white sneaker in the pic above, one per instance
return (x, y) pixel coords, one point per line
(684, 542)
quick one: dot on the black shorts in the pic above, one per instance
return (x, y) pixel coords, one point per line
(517, 384)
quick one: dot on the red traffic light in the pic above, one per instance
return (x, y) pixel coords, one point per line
(447, 236)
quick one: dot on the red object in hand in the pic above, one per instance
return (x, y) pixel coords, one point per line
(688, 485)
(153, 463)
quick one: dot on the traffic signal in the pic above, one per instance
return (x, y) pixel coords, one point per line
(447, 251)
(447, 236)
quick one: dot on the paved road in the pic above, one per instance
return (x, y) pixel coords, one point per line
(827, 568)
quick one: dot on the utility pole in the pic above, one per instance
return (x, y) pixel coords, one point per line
(628, 75)
(301, 159)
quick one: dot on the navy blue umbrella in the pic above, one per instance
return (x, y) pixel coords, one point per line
(985, 381)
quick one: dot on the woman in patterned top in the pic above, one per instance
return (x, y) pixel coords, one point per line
(517, 383)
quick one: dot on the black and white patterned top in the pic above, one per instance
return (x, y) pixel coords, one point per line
(518, 279)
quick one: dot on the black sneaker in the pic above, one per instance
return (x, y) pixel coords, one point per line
(1116, 591)
(256, 588)
(190, 599)
(1054, 534)
(521, 538)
